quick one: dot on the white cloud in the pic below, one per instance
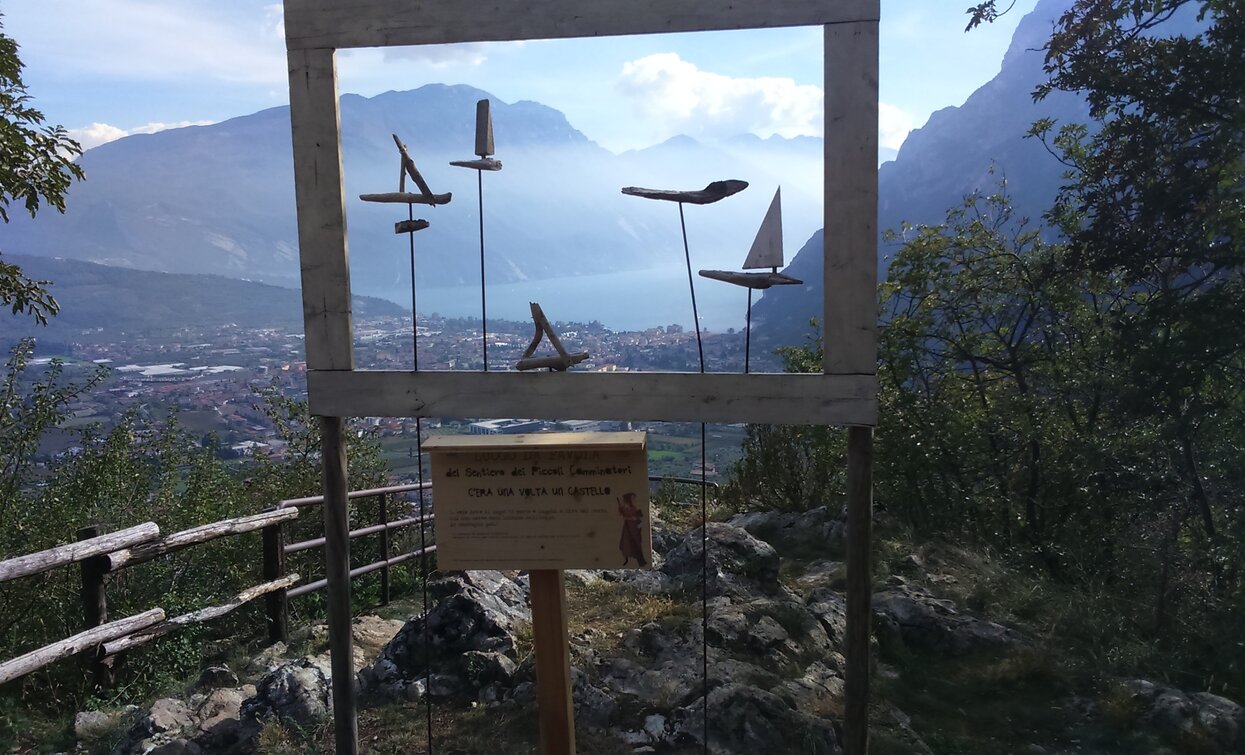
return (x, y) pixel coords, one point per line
(440, 57)
(675, 96)
(685, 99)
(102, 133)
(893, 126)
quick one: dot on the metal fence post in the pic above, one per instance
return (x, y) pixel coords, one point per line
(384, 552)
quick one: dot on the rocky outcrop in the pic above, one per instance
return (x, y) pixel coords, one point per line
(907, 615)
(820, 531)
(470, 642)
(1197, 717)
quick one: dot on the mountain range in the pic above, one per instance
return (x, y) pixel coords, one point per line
(974, 147)
(219, 199)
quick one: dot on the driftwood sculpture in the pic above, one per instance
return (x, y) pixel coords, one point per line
(766, 251)
(484, 148)
(484, 141)
(708, 195)
(543, 329)
(402, 196)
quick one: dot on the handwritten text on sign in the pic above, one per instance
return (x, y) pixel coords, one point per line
(543, 501)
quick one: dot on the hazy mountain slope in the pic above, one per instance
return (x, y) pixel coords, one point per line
(949, 157)
(219, 199)
(111, 302)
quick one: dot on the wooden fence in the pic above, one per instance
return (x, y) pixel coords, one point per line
(99, 554)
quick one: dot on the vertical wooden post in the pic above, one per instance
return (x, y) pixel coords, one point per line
(95, 608)
(276, 602)
(384, 552)
(337, 572)
(859, 587)
(553, 662)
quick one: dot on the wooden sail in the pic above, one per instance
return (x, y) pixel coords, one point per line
(766, 251)
(766, 248)
(484, 141)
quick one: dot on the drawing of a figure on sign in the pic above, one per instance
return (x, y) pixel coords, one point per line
(630, 542)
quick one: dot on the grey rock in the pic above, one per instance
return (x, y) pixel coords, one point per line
(745, 720)
(94, 724)
(766, 634)
(1175, 713)
(818, 532)
(298, 692)
(739, 565)
(927, 623)
(477, 612)
(166, 715)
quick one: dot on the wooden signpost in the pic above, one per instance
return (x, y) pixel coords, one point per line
(543, 502)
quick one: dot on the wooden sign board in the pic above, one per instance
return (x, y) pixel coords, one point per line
(541, 501)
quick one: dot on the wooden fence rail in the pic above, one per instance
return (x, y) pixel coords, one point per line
(70, 553)
(101, 554)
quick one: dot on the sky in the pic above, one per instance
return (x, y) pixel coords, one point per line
(108, 68)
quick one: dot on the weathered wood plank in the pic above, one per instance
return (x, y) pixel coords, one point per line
(196, 617)
(381, 23)
(37, 659)
(851, 144)
(154, 549)
(714, 192)
(681, 397)
(337, 573)
(859, 588)
(323, 256)
(550, 643)
(34, 563)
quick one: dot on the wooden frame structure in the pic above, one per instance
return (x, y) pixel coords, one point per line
(843, 394)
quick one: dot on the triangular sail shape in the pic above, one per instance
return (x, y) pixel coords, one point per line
(767, 247)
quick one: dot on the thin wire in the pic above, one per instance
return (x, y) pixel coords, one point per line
(748, 333)
(419, 466)
(704, 508)
(687, 255)
(483, 298)
(423, 567)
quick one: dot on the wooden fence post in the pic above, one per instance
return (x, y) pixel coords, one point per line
(859, 588)
(277, 601)
(384, 552)
(95, 608)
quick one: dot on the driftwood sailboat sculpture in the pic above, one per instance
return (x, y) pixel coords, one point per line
(485, 161)
(714, 192)
(766, 252)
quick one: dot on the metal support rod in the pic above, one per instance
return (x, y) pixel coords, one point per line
(748, 333)
(410, 214)
(483, 296)
(337, 572)
(687, 255)
(859, 587)
(384, 552)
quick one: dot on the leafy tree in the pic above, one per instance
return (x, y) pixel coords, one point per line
(36, 166)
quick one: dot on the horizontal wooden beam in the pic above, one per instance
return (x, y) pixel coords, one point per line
(196, 617)
(784, 399)
(195, 535)
(62, 555)
(37, 659)
(383, 23)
